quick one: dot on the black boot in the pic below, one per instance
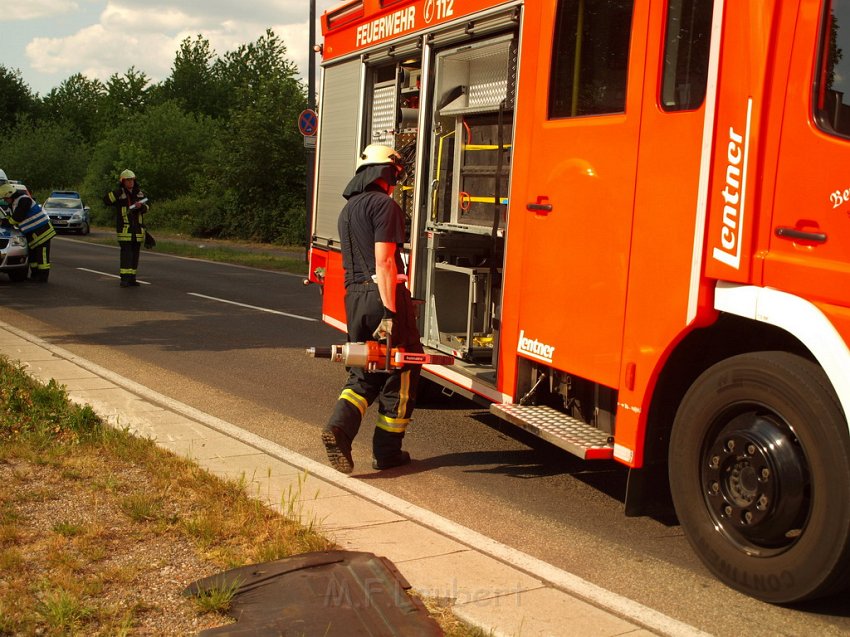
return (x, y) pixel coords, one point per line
(133, 282)
(386, 449)
(399, 459)
(125, 280)
(338, 447)
(338, 434)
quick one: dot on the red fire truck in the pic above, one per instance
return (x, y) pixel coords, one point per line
(630, 227)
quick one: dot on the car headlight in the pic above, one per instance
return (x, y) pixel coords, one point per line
(18, 241)
(76, 217)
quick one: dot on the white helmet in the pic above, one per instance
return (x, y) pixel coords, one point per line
(378, 154)
(7, 190)
(3, 177)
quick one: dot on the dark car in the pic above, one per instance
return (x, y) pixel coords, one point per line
(67, 212)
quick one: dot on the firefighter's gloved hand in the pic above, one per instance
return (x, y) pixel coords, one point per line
(385, 327)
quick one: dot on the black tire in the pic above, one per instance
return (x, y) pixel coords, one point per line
(18, 274)
(85, 229)
(760, 476)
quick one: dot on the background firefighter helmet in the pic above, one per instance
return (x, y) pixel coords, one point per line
(3, 177)
(7, 190)
(127, 174)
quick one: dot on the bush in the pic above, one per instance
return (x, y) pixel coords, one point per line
(193, 214)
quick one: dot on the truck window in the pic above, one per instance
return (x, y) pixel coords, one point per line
(590, 57)
(686, 48)
(832, 91)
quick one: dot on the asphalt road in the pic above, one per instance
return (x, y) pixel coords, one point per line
(230, 341)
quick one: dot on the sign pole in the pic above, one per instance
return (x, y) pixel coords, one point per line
(311, 104)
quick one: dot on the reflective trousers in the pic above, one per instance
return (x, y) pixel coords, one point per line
(39, 260)
(395, 391)
(129, 257)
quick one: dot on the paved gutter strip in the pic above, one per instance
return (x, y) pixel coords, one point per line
(557, 578)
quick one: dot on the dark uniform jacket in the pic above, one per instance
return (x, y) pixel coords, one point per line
(370, 216)
(129, 222)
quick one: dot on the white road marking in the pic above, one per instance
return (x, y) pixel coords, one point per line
(114, 276)
(253, 307)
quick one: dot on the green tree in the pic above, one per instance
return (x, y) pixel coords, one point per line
(269, 172)
(126, 95)
(260, 173)
(78, 102)
(165, 146)
(245, 70)
(16, 98)
(45, 155)
(195, 81)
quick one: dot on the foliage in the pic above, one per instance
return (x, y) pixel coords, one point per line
(36, 412)
(78, 103)
(268, 174)
(219, 598)
(196, 214)
(45, 155)
(195, 82)
(215, 145)
(165, 146)
(128, 94)
(16, 98)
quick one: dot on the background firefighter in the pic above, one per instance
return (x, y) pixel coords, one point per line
(377, 303)
(130, 204)
(34, 223)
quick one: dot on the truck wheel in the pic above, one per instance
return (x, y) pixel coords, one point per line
(759, 468)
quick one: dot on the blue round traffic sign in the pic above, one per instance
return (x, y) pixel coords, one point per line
(308, 122)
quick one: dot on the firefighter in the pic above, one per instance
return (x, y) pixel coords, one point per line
(131, 205)
(377, 304)
(34, 223)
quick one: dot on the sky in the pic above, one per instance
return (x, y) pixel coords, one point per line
(50, 40)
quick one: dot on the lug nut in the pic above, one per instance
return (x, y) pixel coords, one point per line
(765, 473)
(715, 487)
(727, 510)
(751, 449)
(748, 517)
(715, 462)
(730, 445)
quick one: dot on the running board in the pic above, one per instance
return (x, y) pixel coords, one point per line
(570, 434)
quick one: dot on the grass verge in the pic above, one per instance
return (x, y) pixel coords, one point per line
(254, 255)
(100, 531)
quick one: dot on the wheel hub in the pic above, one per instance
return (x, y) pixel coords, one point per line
(756, 482)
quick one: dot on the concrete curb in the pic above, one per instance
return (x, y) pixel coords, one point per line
(490, 585)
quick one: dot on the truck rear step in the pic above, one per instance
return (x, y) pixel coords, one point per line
(570, 434)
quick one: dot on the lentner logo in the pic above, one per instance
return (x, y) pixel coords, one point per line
(734, 195)
(535, 348)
